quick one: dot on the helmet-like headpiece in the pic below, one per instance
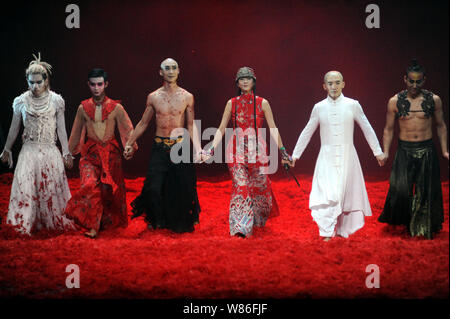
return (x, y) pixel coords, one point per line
(245, 72)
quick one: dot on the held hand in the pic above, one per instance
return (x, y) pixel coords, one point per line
(382, 159)
(290, 163)
(286, 158)
(205, 155)
(68, 161)
(6, 157)
(128, 152)
(198, 157)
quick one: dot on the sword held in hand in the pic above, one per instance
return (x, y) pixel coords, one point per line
(285, 156)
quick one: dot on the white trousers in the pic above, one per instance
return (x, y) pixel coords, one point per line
(332, 221)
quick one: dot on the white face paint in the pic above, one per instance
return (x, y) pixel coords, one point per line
(169, 70)
(36, 84)
(97, 86)
(334, 84)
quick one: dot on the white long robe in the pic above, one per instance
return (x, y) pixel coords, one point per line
(338, 184)
(39, 191)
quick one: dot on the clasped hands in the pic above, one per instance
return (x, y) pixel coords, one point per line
(199, 157)
(286, 158)
(128, 151)
(68, 161)
(203, 156)
(291, 162)
(382, 159)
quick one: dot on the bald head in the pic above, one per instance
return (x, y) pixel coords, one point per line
(168, 61)
(169, 70)
(333, 83)
(332, 73)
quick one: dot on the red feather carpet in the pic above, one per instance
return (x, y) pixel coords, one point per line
(286, 259)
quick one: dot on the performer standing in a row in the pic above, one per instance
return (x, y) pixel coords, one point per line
(415, 195)
(169, 196)
(338, 199)
(252, 200)
(39, 191)
(100, 203)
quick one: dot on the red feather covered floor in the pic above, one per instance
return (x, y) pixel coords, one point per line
(286, 259)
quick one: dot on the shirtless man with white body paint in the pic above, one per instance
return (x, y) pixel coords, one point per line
(169, 196)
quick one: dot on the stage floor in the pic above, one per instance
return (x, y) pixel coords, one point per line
(285, 259)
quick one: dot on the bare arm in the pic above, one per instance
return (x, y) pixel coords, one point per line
(14, 129)
(223, 124)
(143, 123)
(77, 128)
(271, 123)
(388, 132)
(440, 126)
(192, 128)
(61, 128)
(124, 125)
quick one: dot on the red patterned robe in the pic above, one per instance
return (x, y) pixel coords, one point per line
(252, 200)
(100, 203)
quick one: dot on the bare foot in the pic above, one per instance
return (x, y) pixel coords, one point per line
(326, 239)
(91, 234)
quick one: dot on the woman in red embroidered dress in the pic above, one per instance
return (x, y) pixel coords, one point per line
(252, 200)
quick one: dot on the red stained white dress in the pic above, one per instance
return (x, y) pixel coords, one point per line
(39, 191)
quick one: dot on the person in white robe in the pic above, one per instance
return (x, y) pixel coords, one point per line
(338, 198)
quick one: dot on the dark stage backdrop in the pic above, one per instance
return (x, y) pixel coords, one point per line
(290, 44)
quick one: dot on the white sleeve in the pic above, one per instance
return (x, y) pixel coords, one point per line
(18, 105)
(367, 129)
(61, 124)
(306, 134)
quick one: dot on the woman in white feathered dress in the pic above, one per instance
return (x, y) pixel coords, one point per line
(40, 190)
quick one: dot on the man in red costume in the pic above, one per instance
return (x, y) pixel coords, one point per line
(100, 203)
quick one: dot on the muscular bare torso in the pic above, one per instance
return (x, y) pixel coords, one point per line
(415, 126)
(170, 110)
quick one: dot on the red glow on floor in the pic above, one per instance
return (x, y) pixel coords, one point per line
(286, 259)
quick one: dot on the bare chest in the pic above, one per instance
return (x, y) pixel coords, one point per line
(170, 105)
(98, 124)
(414, 112)
(417, 109)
